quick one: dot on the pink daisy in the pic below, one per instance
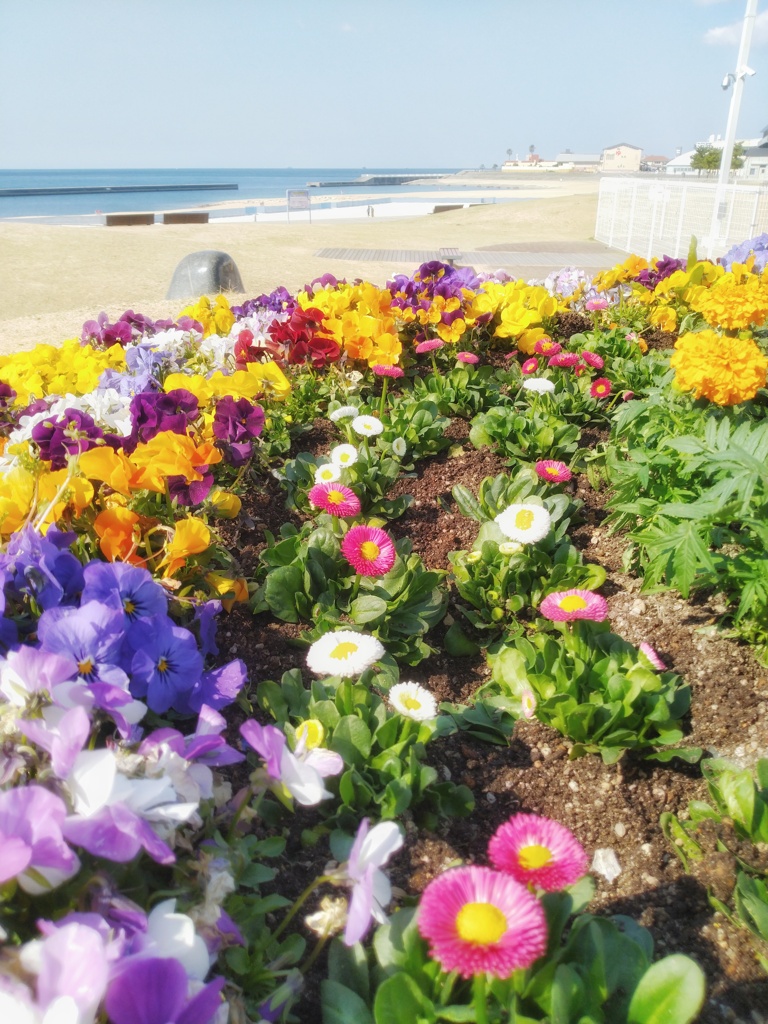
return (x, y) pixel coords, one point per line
(336, 499)
(368, 550)
(566, 605)
(468, 357)
(601, 388)
(530, 365)
(538, 852)
(552, 470)
(481, 921)
(564, 359)
(547, 347)
(528, 703)
(652, 656)
(430, 345)
(596, 304)
(593, 359)
(628, 396)
(387, 371)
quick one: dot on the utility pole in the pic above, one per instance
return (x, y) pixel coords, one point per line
(736, 81)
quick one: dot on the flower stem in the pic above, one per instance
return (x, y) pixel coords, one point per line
(382, 400)
(480, 1004)
(299, 903)
(319, 947)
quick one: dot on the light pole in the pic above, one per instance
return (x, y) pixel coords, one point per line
(735, 80)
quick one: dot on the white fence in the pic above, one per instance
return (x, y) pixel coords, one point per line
(657, 216)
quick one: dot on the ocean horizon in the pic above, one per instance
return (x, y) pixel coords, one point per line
(253, 184)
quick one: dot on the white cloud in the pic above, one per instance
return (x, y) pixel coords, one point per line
(730, 35)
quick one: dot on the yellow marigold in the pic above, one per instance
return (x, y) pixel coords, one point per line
(734, 302)
(724, 370)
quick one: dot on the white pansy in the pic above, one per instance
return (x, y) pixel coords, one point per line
(344, 653)
(524, 523)
(173, 935)
(413, 701)
(367, 426)
(538, 384)
(327, 473)
(344, 455)
(344, 412)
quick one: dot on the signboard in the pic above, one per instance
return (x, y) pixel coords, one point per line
(298, 199)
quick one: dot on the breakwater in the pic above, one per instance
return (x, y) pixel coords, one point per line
(85, 190)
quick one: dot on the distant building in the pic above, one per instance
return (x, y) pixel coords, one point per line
(578, 161)
(654, 163)
(621, 157)
(756, 160)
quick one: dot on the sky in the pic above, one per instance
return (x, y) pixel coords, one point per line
(365, 83)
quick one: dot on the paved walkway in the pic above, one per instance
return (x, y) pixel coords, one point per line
(522, 259)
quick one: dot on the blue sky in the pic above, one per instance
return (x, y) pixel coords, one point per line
(375, 83)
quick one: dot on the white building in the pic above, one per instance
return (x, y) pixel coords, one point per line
(621, 157)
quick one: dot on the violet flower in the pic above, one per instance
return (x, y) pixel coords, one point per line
(301, 773)
(42, 568)
(371, 890)
(127, 587)
(152, 413)
(188, 493)
(217, 688)
(155, 991)
(237, 420)
(166, 666)
(72, 966)
(32, 846)
(61, 733)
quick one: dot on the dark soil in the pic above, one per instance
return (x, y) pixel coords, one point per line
(616, 806)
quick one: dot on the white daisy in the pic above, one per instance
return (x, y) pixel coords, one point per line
(327, 473)
(344, 653)
(525, 524)
(511, 547)
(538, 384)
(344, 412)
(344, 455)
(413, 701)
(367, 426)
(528, 703)
(399, 447)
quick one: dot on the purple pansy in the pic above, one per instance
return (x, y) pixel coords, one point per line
(31, 837)
(167, 665)
(153, 413)
(237, 420)
(127, 587)
(154, 990)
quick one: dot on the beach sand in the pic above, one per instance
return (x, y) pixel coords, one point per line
(57, 276)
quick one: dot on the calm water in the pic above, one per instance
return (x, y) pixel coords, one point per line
(254, 184)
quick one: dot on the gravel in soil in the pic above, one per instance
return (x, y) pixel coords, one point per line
(616, 806)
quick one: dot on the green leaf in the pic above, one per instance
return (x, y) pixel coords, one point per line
(692, 755)
(340, 1005)
(348, 965)
(352, 739)
(280, 590)
(368, 608)
(458, 644)
(400, 999)
(670, 992)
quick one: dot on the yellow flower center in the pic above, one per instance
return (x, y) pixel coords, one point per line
(343, 650)
(335, 497)
(129, 606)
(573, 603)
(411, 703)
(162, 665)
(481, 923)
(369, 550)
(327, 473)
(85, 667)
(552, 470)
(534, 856)
(344, 457)
(312, 731)
(524, 519)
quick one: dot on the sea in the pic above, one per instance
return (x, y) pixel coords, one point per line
(253, 184)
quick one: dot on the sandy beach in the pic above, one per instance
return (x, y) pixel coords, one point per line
(57, 276)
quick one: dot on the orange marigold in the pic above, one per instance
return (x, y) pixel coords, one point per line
(724, 370)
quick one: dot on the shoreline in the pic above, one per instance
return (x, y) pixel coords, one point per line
(60, 276)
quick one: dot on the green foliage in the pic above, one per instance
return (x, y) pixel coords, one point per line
(594, 688)
(709, 158)
(463, 391)
(306, 578)
(735, 826)
(419, 423)
(529, 434)
(383, 752)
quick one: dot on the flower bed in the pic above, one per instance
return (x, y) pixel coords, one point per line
(321, 593)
